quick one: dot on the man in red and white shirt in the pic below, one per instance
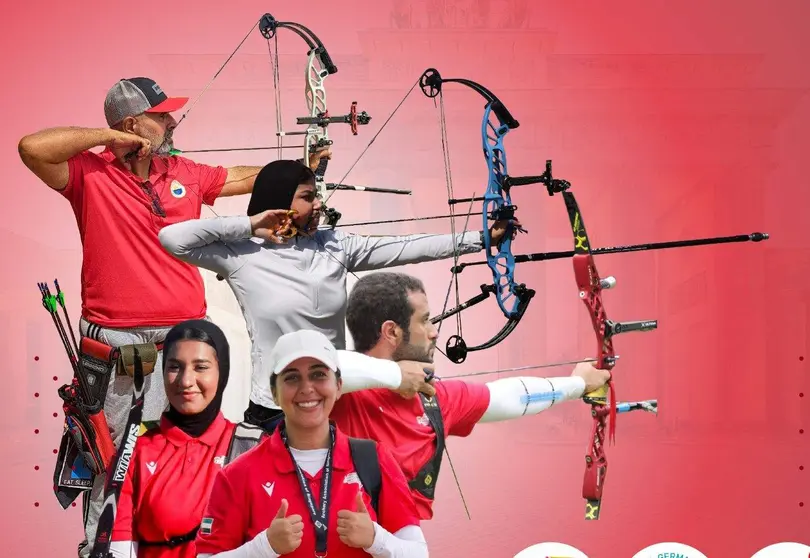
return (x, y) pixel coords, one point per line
(132, 290)
(389, 318)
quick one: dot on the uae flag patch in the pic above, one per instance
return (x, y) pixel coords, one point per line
(205, 525)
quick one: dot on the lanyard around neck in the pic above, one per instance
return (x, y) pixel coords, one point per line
(318, 513)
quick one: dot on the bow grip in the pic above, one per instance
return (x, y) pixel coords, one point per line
(597, 397)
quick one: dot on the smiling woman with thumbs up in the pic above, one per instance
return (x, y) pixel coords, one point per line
(308, 489)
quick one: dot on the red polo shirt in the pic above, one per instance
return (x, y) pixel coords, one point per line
(402, 426)
(247, 495)
(167, 486)
(128, 278)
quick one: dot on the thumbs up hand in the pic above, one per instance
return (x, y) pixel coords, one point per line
(285, 532)
(355, 528)
(359, 504)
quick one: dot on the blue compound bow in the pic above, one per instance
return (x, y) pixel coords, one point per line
(513, 298)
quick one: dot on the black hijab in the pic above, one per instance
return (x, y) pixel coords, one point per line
(206, 332)
(275, 185)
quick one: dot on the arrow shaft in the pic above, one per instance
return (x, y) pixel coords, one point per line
(220, 150)
(543, 256)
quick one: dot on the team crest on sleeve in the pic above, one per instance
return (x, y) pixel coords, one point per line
(177, 189)
(205, 525)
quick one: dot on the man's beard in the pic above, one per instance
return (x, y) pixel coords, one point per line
(166, 147)
(406, 351)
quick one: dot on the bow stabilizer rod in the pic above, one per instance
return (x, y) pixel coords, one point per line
(543, 256)
(375, 189)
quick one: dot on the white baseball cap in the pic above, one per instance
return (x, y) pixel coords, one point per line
(301, 344)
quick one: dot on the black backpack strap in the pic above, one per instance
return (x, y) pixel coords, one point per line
(425, 480)
(367, 467)
(245, 436)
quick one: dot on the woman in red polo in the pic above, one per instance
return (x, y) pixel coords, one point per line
(298, 493)
(174, 465)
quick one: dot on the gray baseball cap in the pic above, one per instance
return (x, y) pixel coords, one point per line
(134, 96)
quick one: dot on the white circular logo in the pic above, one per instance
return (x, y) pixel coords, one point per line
(669, 549)
(784, 550)
(177, 189)
(550, 550)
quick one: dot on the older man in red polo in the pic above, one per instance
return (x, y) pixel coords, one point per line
(133, 291)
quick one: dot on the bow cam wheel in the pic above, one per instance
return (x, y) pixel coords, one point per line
(456, 349)
(268, 26)
(431, 82)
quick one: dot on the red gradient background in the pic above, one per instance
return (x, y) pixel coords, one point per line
(671, 121)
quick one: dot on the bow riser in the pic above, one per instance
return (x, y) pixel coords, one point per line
(317, 136)
(590, 286)
(595, 469)
(512, 298)
(498, 206)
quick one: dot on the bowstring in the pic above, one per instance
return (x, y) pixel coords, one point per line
(450, 196)
(199, 96)
(211, 81)
(274, 67)
(517, 369)
(454, 276)
(456, 239)
(373, 139)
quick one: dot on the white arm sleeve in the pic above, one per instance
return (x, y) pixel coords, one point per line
(511, 398)
(259, 547)
(359, 371)
(408, 542)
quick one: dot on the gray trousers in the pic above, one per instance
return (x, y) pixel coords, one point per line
(117, 406)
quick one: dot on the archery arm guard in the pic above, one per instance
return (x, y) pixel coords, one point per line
(511, 398)
(359, 371)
